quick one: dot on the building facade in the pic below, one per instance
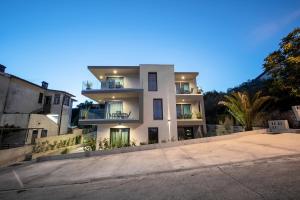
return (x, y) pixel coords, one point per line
(25, 105)
(145, 104)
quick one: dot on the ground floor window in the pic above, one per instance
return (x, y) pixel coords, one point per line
(152, 135)
(119, 137)
(44, 133)
(185, 133)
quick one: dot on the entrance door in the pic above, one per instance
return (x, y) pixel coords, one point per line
(119, 137)
(152, 135)
(34, 136)
(185, 133)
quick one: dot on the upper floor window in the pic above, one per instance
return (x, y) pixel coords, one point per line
(41, 98)
(183, 88)
(115, 82)
(183, 111)
(152, 81)
(56, 98)
(157, 109)
(67, 101)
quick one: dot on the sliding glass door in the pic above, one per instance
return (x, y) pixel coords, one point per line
(183, 111)
(115, 82)
(119, 137)
(113, 107)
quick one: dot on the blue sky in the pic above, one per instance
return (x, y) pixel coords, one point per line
(225, 41)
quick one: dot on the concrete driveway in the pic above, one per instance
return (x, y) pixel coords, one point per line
(150, 162)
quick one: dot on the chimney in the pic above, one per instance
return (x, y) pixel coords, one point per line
(44, 85)
(2, 68)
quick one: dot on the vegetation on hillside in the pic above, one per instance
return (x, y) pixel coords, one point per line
(283, 69)
(244, 108)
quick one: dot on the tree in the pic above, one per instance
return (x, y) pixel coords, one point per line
(212, 111)
(284, 65)
(244, 108)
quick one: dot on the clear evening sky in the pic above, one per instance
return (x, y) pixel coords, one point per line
(225, 41)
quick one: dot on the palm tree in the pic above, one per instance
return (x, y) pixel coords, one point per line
(243, 108)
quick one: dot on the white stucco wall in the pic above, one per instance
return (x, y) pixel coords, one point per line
(131, 81)
(131, 105)
(167, 128)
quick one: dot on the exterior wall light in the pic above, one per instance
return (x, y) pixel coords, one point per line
(115, 71)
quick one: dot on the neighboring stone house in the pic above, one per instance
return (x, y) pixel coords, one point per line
(145, 104)
(26, 105)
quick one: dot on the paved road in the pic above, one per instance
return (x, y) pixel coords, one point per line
(252, 167)
(275, 178)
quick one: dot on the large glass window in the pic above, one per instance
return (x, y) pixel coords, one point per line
(114, 107)
(157, 109)
(115, 82)
(183, 111)
(185, 87)
(186, 109)
(119, 137)
(152, 81)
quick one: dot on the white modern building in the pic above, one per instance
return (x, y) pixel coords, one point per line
(148, 103)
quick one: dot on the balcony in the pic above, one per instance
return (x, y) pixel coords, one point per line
(115, 111)
(188, 114)
(183, 90)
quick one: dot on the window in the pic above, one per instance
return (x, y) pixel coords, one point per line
(67, 101)
(41, 98)
(119, 137)
(115, 82)
(113, 107)
(152, 81)
(56, 98)
(152, 135)
(157, 109)
(44, 133)
(183, 88)
(183, 111)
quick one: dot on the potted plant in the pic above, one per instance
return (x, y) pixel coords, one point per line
(199, 90)
(198, 115)
(88, 85)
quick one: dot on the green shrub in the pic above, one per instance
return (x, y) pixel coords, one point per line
(89, 144)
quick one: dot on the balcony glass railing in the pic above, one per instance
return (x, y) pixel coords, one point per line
(196, 115)
(196, 90)
(100, 114)
(108, 84)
